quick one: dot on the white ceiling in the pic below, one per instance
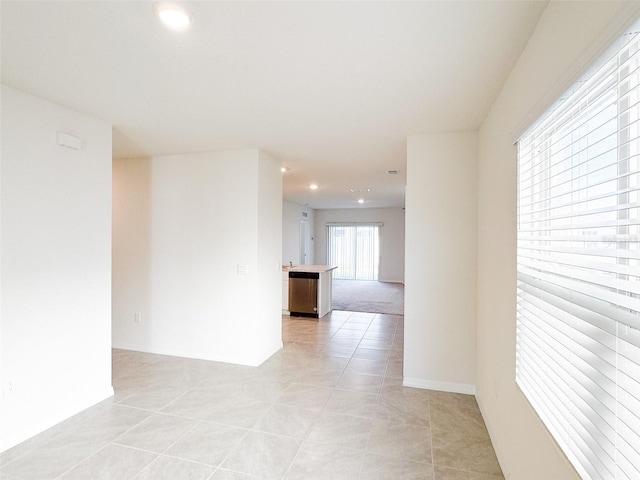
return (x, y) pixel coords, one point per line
(331, 88)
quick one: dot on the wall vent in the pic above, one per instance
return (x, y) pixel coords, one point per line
(69, 141)
(392, 172)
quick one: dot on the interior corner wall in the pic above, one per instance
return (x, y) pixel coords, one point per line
(392, 236)
(268, 319)
(55, 250)
(440, 272)
(187, 258)
(567, 39)
(292, 215)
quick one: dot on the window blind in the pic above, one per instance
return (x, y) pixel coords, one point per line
(355, 250)
(578, 261)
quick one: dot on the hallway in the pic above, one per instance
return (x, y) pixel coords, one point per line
(329, 405)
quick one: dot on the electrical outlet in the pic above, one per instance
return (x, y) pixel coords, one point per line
(137, 317)
(9, 388)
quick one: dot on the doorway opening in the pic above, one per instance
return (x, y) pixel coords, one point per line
(355, 249)
(305, 242)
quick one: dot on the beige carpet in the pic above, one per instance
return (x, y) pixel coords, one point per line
(368, 296)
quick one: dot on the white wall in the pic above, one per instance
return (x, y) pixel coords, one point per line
(268, 315)
(183, 226)
(440, 272)
(566, 38)
(391, 236)
(55, 355)
(292, 215)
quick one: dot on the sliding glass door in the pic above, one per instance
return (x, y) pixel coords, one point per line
(355, 250)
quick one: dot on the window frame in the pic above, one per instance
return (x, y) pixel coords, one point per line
(578, 288)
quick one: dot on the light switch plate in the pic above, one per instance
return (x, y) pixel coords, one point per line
(243, 269)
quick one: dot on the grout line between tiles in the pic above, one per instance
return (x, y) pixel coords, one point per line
(322, 410)
(283, 371)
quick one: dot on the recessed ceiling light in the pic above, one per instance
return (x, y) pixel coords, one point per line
(313, 186)
(174, 16)
(361, 200)
(283, 169)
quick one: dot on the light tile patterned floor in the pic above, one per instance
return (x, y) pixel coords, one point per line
(330, 405)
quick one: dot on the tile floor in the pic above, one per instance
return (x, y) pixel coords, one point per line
(330, 405)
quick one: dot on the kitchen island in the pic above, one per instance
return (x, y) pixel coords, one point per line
(309, 290)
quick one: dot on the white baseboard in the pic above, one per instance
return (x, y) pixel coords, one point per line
(254, 361)
(81, 401)
(267, 354)
(440, 386)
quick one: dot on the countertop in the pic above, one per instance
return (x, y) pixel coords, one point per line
(308, 268)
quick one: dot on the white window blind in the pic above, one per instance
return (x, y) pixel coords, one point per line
(578, 320)
(355, 250)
